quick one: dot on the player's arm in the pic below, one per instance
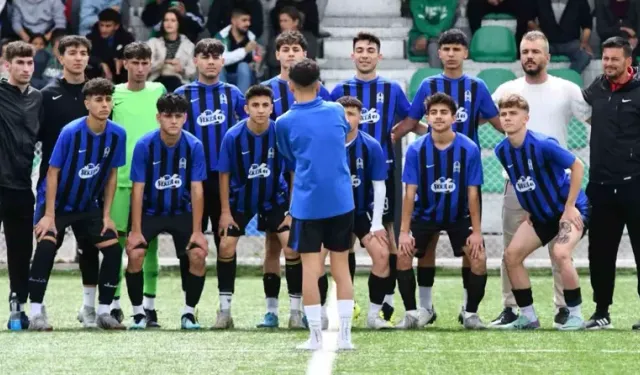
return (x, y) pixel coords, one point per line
(282, 139)
(197, 205)
(415, 113)
(136, 207)
(488, 108)
(138, 176)
(225, 168)
(198, 174)
(378, 170)
(109, 192)
(406, 240)
(474, 181)
(554, 153)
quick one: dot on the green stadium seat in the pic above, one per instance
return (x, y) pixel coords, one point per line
(492, 171)
(498, 17)
(413, 35)
(417, 78)
(489, 137)
(577, 133)
(493, 44)
(559, 58)
(569, 75)
(494, 77)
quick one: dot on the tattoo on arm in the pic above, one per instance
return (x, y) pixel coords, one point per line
(563, 233)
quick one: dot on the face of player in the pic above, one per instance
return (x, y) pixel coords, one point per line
(75, 59)
(138, 69)
(241, 22)
(259, 109)
(107, 28)
(289, 54)
(209, 66)
(20, 69)
(171, 123)
(287, 23)
(614, 63)
(534, 56)
(353, 117)
(366, 56)
(513, 119)
(99, 106)
(452, 55)
(170, 23)
(440, 118)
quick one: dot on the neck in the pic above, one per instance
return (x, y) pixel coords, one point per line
(517, 139)
(443, 139)
(256, 127)
(284, 74)
(237, 34)
(171, 36)
(304, 96)
(352, 135)
(20, 86)
(96, 125)
(453, 73)
(73, 78)
(135, 86)
(538, 78)
(168, 139)
(622, 78)
(366, 76)
(208, 81)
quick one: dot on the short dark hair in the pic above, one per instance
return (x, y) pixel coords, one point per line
(304, 73)
(110, 15)
(98, 86)
(19, 49)
(178, 18)
(209, 47)
(453, 36)
(240, 10)
(137, 50)
(57, 34)
(294, 13)
(36, 36)
(618, 42)
(366, 37)
(172, 103)
(258, 90)
(350, 101)
(441, 98)
(290, 38)
(513, 101)
(73, 41)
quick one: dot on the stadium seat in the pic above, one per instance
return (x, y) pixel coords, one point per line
(493, 44)
(417, 78)
(569, 75)
(494, 77)
(577, 133)
(559, 58)
(489, 137)
(492, 171)
(499, 17)
(413, 35)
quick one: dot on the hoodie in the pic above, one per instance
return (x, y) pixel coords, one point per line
(38, 16)
(108, 50)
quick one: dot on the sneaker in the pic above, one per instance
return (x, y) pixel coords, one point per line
(461, 315)
(309, 345)
(40, 322)
(599, 321)
(472, 321)
(107, 321)
(152, 318)
(561, 317)
(223, 320)
(188, 322)
(636, 326)
(387, 312)
(434, 316)
(87, 316)
(376, 322)
(424, 316)
(415, 319)
(522, 322)
(507, 316)
(139, 321)
(117, 315)
(356, 311)
(296, 319)
(324, 321)
(573, 323)
(270, 321)
(24, 321)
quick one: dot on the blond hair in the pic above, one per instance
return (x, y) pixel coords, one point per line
(532, 36)
(513, 101)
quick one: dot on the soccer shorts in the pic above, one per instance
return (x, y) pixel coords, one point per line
(268, 221)
(388, 214)
(212, 209)
(308, 236)
(180, 227)
(424, 231)
(86, 225)
(547, 231)
(362, 226)
(121, 209)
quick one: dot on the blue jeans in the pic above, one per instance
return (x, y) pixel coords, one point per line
(242, 78)
(577, 56)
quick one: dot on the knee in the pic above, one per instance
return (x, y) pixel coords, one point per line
(479, 264)
(380, 258)
(227, 248)
(136, 258)
(511, 258)
(197, 258)
(290, 254)
(404, 262)
(561, 256)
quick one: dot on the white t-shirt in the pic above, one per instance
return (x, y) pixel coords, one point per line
(551, 104)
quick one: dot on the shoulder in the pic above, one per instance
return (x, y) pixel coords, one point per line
(502, 145)
(542, 138)
(34, 93)
(466, 142)
(234, 89)
(51, 88)
(115, 128)
(368, 139)
(148, 137)
(156, 87)
(120, 89)
(428, 80)
(236, 129)
(73, 127)
(284, 118)
(418, 144)
(183, 88)
(513, 86)
(191, 139)
(270, 81)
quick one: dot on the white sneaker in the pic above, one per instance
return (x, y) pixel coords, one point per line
(87, 316)
(325, 323)
(310, 345)
(376, 322)
(424, 316)
(345, 345)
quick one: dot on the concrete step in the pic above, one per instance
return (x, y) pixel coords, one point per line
(362, 22)
(363, 8)
(384, 64)
(381, 32)
(339, 47)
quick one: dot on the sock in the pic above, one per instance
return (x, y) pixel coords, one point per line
(116, 304)
(103, 309)
(324, 311)
(529, 312)
(295, 303)
(475, 289)
(425, 297)
(271, 283)
(352, 265)
(122, 241)
(150, 267)
(89, 296)
(226, 280)
(188, 310)
(573, 297)
(184, 271)
(293, 274)
(323, 285)
(89, 264)
(315, 324)
(524, 299)
(41, 270)
(36, 309)
(426, 277)
(407, 287)
(109, 274)
(195, 285)
(138, 309)
(148, 303)
(393, 275)
(466, 271)
(376, 294)
(134, 288)
(602, 310)
(345, 312)
(225, 301)
(272, 305)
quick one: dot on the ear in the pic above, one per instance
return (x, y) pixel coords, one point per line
(86, 103)
(277, 55)
(158, 117)
(466, 53)
(246, 109)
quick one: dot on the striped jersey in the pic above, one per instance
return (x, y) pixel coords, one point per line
(367, 164)
(283, 97)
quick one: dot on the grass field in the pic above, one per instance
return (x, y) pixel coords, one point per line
(443, 348)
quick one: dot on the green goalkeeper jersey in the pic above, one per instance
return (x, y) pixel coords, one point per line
(136, 112)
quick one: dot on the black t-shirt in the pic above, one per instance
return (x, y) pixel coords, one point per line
(233, 45)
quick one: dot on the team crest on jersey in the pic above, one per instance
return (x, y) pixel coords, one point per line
(106, 152)
(182, 164)
(271, 153)
(461, 115)
(369, 116)
(456, 167)
(443, 185)
(525, 184)
(168, 182)
(210, 117)
(359, 163)
(223, 99)
(467, 96)
(259, 170)
(380, 98)
(89, 171)
(355, 180)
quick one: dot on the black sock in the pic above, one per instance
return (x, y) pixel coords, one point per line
(573, 297)
(89, 264)
(602, 310)
(109, 273)
(475, 291)
(226, 274)
(377, 289)
(135, 285)
(407, 287)
(352, 265)
(465, 271)
(195, 284)
(293, 274)
(184, 271)
(323, 285)
(426, 276)
(41, 270)
(524, 297)
(271, 283)
(393, 273)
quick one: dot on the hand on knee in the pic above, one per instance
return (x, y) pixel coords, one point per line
(479, 264)
(227, 249)
(197, 261)
(136, 258)
(404, 262)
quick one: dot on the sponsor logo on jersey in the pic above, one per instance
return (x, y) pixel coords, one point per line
(210, 117)
(168, 182)
(89, 171)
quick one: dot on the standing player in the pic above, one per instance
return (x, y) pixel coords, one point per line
(474, 103)
(82, 168)
(252, 181)
(167, 171)
(384, 103)
(368, 173)
(557, 209)
(443, 175)
(214, 107)
(134, 107)
(311, 135)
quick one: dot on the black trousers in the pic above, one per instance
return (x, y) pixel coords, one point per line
(477, 9)
(613, 207)
(16, 213)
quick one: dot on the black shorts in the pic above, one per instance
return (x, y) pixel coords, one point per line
(86, 226)
(388, 214)
(180, 227)
(424, 231)
(212, 209)
(268, 221)
(547, 231)
(308, 236)
(362, 225)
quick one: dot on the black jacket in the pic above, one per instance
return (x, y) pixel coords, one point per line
(220, 15)
(576, 17)
(615, 130)
(62, 103)
(107, 52)
(608, 24)
(19, 124)
(190, 25)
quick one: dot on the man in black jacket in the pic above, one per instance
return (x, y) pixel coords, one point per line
(20, 112)
(108, 40)
(192, 22)
(614, 178)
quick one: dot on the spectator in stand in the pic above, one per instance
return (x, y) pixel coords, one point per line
(40, 61)
(220, 15)
(90, 10)
(5, 20)
(568, 28)
(37, 17)
(189, 10)
(431, 18)
(108, 40)
(290, 20)
(619, 18)
(171, 54)
(240, 48)
(3, 70)
(477, 9)
(309, 9)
